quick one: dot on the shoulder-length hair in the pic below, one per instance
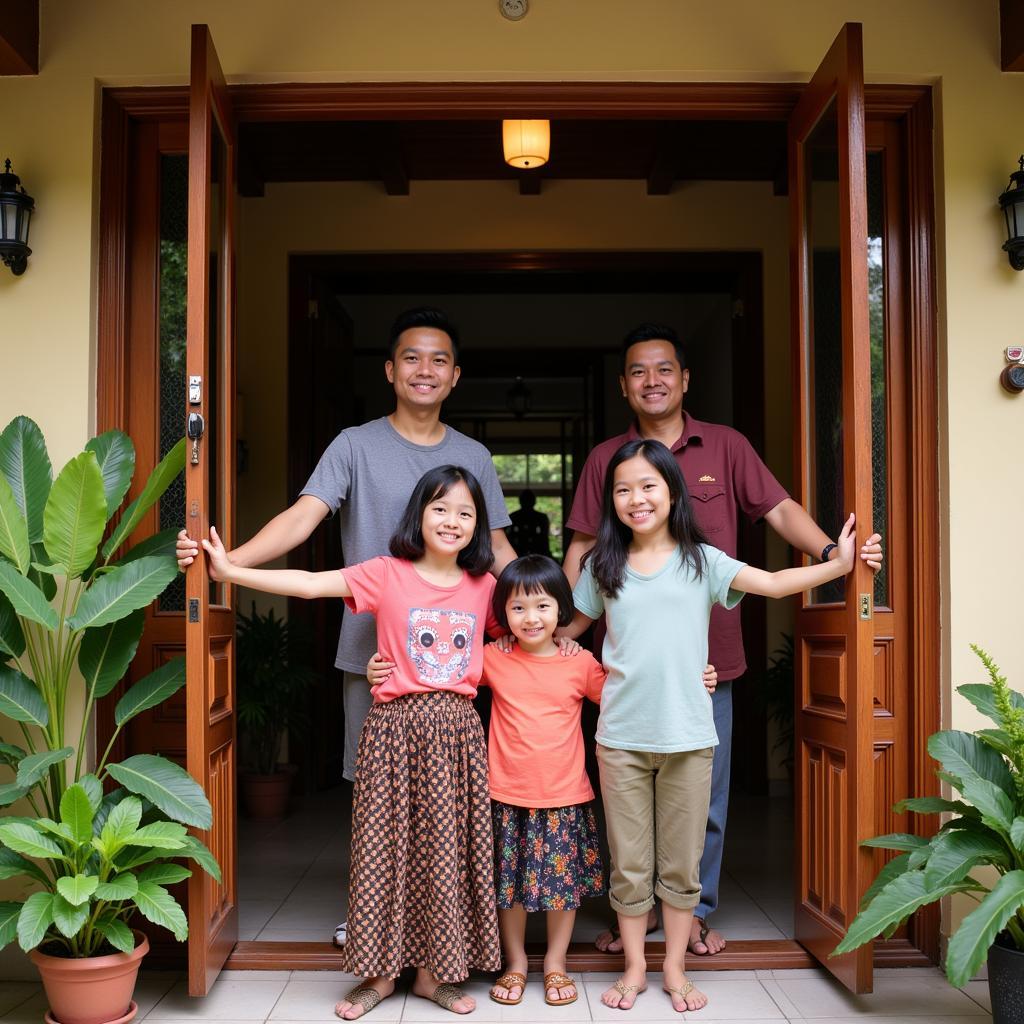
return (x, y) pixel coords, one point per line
(608, 557)
(406, 542)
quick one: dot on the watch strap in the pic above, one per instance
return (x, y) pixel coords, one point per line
(827, 550)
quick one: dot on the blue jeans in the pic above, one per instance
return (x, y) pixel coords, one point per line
(718, 811)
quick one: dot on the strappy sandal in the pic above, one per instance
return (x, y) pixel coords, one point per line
(446, 996)
(682, 991)
(626, 991)
(613, 928)
(555, 979)
(507, 981)
(365, 996)
(701, 938)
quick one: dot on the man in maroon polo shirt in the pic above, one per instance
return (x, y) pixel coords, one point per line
(724, 476)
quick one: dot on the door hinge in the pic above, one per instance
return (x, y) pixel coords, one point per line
(313, 312)
(193, 609)
(865, 606)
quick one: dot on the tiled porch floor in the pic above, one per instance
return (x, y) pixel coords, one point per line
(740, 997)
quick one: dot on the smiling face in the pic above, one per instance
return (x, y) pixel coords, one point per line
(641, 496)
(532, 619)
(449, 521)
(653, 382)
(423, 370)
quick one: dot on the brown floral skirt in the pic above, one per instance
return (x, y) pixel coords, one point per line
(421, 890)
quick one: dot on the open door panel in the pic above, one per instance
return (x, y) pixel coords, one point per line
(209, 485)
(833, 631)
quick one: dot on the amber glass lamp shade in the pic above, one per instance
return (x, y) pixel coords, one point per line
(526, 143)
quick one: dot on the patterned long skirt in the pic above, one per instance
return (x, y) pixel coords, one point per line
(546, 858)
(422, 878)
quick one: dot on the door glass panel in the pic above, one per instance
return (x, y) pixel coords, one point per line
(825, 342)
(173, 286)
(876, 319)
(215, 404)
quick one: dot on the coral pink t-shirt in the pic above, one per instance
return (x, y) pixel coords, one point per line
(535, 750)
(434, 635)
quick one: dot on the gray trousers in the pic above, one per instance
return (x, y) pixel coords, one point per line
(357, 702)
(718, 811)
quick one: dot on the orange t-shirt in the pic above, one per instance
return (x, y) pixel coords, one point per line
(535, 750)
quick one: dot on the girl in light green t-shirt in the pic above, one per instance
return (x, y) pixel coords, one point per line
(655, 577)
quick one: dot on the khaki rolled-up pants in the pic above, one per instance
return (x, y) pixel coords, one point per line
(656, 812)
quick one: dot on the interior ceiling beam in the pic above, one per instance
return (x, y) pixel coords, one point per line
(1011, 35)
(390, 160)
(19, 38)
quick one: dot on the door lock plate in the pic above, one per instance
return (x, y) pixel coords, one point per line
(865, 606)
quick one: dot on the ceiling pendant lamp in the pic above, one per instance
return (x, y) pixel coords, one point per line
(527, 143)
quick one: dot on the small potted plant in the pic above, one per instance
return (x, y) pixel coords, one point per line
(273, 677)
(89, 859)
(985, 829)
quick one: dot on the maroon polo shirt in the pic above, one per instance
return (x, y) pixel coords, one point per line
(724, 475)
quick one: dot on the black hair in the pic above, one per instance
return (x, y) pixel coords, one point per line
(608, 556)
(407, 540)
(533, 574)
(423, 316)
(654, 332)
(527, 499)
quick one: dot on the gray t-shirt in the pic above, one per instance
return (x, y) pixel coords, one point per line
(655, 652)
(367, 475)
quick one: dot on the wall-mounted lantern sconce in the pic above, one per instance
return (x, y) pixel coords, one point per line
(16, 207)
(527, 144)
(1012, 203)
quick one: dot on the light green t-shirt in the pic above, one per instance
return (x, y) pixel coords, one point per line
(655, 652)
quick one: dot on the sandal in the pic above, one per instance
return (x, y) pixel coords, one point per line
(362, 995)
(507, 981)
(555, 979)
(626, 991)
(702, 938)
(447, 995)
(613, 927)
(683, 991)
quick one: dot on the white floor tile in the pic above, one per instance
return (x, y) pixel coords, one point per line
(896, 1020)
(892, 997)
(315, 1001)
(978, 991)
(151, 987)
(28, 1011)
(229, 1000)
(418, 1009)
(253, 916)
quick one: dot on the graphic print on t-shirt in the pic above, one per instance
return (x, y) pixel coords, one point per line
(440, 644)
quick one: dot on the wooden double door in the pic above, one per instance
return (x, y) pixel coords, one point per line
(862, 342)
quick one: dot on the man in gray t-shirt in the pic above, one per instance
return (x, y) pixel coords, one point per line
(367, 475)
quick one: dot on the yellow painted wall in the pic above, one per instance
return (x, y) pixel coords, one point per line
(48, 125)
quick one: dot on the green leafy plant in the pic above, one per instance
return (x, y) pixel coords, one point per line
(68, 598)
(273, 676)
(986, 829)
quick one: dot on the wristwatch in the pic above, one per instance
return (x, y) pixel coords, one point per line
(827, 550)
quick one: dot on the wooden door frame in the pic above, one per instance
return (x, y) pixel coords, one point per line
(911, 106)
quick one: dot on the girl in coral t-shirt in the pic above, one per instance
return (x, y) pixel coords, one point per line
(422, 879)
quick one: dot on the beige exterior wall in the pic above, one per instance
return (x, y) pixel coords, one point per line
(50, 130)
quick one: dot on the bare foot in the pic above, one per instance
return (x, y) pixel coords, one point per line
(426, 985)
(622, 995)
(609, 941)
(352, 1008)
(503, 994)
(704, 940)
(683, 994)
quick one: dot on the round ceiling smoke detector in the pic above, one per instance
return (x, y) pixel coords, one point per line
(514, 9)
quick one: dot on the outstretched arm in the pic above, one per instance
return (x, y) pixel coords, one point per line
(287, 530)
(793, 581)
(290, 582)
(790, 520)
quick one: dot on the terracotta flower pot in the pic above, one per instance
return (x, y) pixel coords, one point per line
(94, 989)
(265, 797)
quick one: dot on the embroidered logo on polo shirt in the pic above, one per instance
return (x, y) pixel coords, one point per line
(707, 478)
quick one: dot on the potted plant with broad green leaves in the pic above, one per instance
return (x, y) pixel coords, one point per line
(89, 859)
(273, 676)
(985, 829)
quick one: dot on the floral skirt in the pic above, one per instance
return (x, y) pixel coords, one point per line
(546, 858)
(422, 883)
